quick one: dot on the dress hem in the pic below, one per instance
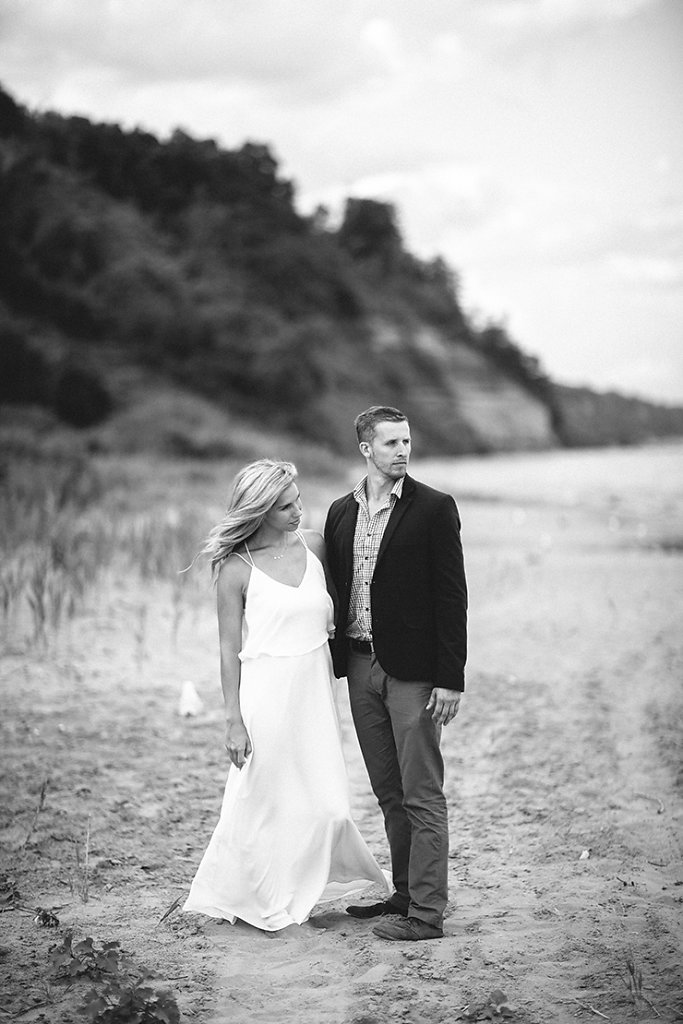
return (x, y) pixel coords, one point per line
(209, 909)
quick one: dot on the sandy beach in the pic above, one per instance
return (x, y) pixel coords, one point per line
(563, 770)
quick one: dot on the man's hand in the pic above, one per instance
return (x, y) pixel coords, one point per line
(237, 743)
(444, 705)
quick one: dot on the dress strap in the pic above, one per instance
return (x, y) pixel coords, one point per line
(301, 537)
(250, 560)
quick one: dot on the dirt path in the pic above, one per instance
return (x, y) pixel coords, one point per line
(569, 741)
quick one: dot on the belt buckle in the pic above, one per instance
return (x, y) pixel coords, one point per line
(362, 646)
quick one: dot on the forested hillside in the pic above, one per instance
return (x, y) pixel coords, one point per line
(175, 281)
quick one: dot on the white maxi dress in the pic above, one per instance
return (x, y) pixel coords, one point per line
(285, 840)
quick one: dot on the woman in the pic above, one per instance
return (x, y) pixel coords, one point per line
(285, 839)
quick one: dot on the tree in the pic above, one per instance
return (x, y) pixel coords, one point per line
(81, 398)
(25, 376)
(12, 117)
(369, 232)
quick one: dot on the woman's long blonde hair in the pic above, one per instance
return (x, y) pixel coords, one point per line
(255, 490)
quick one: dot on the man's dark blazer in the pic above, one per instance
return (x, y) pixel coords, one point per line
(418, 590)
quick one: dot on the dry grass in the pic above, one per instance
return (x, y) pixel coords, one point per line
(64, 523)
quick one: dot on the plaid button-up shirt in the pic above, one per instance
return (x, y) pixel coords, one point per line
(366, 542)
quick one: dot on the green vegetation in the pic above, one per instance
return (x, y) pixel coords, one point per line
(127, 259)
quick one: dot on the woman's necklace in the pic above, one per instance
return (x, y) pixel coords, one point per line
(276, 558)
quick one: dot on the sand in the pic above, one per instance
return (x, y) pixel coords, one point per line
(564, 780)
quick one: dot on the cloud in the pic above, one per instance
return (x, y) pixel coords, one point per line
(267, 44)
(380, 39)
(645, 248)
(558, 16)
(645, 271)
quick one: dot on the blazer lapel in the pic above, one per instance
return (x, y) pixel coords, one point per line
(399, 510)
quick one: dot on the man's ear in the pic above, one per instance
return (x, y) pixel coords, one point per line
(364, 449)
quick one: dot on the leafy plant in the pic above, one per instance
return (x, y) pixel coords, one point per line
(131, 1001)
(85, 958)
(120, 997)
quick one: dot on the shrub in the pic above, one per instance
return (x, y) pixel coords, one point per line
(125, 1000)
(81, 398)
(25, 376)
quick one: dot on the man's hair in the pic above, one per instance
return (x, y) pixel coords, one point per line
(366, 422)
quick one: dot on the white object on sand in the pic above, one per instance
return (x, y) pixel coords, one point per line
(190, 703)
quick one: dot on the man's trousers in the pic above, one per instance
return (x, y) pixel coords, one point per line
(400, 746)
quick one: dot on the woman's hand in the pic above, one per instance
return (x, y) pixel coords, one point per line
(237, 742)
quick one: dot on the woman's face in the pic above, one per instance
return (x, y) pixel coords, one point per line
(285, 515)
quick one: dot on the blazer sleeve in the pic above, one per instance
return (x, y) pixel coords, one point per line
(335, 563)
(450, 596)
(330, 546)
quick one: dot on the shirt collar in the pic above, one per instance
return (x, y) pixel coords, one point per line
(360, 494)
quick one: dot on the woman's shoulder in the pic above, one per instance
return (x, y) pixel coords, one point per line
(234, 571)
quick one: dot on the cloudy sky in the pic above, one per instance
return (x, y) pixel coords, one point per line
(535, 144)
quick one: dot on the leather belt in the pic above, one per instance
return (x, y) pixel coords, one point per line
(361, 646)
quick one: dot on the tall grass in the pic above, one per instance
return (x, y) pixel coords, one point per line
(60, 531)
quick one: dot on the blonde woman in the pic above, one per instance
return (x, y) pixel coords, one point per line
(285, 840)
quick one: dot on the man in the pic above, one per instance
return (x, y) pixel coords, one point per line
(394, 553)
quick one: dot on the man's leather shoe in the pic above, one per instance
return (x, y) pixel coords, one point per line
(410, 930)
(376, 910)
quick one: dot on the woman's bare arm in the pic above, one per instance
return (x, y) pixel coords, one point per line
(231, 588)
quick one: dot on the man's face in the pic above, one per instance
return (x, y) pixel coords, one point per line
(389, 450)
